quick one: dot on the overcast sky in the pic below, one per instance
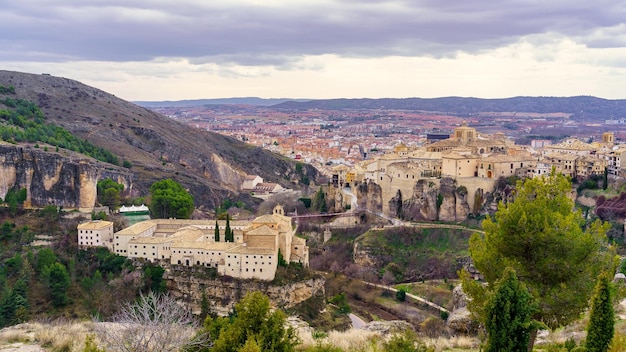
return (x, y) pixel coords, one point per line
(189, 49)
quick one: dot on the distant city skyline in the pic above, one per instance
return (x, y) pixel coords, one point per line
(144, 50)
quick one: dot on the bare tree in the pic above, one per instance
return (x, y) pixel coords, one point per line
(153, 323)
(388, 278)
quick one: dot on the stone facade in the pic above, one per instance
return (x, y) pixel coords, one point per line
(96, 233)
(253, 254)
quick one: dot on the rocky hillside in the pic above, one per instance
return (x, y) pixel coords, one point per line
(211, 166)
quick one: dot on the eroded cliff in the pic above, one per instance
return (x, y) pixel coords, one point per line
(223, 293)
(52, 178)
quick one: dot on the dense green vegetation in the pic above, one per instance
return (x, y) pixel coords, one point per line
(601, 327)
(25, 122)
(552, 249)
(61, 280)
(109, 192)
(252, 324)
(170, 200)
(508, 318)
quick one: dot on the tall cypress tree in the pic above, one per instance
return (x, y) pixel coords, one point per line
(228, 234)
(217, 232)
(508, 318)
(602, 318)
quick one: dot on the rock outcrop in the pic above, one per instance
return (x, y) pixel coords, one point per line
(423, 204)
(388, 327)
(52, 178)
(460, 321)
(223, 293)
(432, 200)
(369, 196)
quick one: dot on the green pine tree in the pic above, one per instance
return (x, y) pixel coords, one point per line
(58, 283)
(602, 318)
(545, 242)
(217, 232)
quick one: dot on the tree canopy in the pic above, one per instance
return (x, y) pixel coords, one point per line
(253, 324)
(548, 244)
(109, 192)
(170, 200)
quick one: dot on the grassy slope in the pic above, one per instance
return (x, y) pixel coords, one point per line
(421, 254)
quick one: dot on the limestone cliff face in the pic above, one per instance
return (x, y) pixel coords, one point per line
(51, 178)
(431, 199)
(369, 196)
(422, 206)
(447, 196)
(224, 294)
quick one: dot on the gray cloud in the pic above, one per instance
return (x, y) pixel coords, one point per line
(278, 35)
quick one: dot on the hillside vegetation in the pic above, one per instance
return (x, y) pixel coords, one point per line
(415, 254)
(26, 123)
(53, 278)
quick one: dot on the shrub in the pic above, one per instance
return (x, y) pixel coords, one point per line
(401, 295)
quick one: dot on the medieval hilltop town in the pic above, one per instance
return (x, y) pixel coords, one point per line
(474, 161)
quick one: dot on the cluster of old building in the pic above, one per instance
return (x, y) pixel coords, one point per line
(253, 254)
(477, 161)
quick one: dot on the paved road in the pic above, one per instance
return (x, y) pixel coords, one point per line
(357, 322)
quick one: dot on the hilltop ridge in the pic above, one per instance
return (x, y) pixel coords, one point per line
(210, 165)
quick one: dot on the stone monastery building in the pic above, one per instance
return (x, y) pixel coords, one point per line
(252, 255)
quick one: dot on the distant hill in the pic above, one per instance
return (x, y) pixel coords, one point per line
(210, 165)
(225, 101)
(581, 107)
